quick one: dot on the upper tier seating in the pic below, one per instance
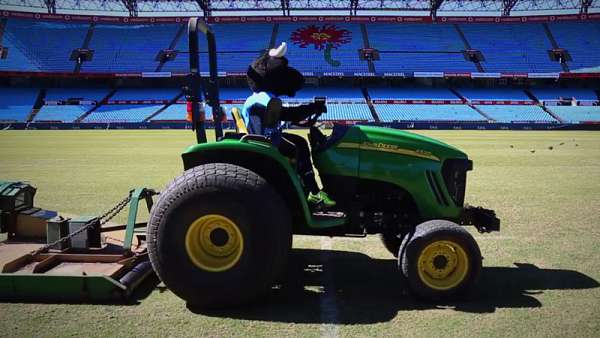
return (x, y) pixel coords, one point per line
(41, 46)
(135, 94)
(237, 46)
(310, 55)
(429, 47)
(512, 47)
(426, 112)
(119, 48)
(549, 94)
(411, 94)
(86, 94)
(577, 114)
(514, 113)
(581, 40)
(122, 113)
(16, 103)
(47, 46)
(494, 94)
(63, 113)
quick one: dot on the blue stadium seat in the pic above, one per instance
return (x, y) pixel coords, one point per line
(556, 93)
(418, 47)
(512, 47)
(237, 46)
(395, 93)
(581, 40)
(427, 112)
(516, 113)
(63, 113)
(41, 46)
(577, 114)
(16, 103)
(122, 113)
(494, 94)
(123, 48)
(88, 94)
(145, 94)
(348, 112)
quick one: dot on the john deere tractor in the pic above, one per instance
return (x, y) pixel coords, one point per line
(220, 233)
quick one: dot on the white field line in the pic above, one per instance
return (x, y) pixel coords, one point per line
(329, 312)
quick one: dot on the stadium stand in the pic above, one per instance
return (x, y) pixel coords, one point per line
(41, 46)
(512, 47)
(426, 112)
(581, 41)
(309, 54)
(516, 113)
(552, 94)
(417, 47)
(135, 94)
(17, 103)
(347, 112)
(419, 93)
(122, 113)
(86, 94)
(235, 51)
(494, 94)
(577, 114)
(119, 48)
(61, 113)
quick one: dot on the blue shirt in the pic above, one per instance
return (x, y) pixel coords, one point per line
(250, 113)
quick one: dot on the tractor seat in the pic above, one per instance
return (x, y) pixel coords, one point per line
(240, 129)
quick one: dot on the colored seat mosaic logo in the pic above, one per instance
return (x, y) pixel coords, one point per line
(324, 38)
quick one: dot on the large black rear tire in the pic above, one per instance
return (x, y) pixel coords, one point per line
(219, 236)
(440, 261)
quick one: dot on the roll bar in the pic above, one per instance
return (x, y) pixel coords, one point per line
(196, 84)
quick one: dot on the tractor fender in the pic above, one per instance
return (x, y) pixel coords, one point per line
(262, 159)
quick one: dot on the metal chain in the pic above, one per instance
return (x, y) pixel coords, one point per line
(104, 218)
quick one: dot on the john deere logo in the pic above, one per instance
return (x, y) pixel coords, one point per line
(323, 37)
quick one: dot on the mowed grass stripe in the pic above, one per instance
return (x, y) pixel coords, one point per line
(539, 278)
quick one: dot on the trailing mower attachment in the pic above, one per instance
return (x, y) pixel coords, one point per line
(70, 259)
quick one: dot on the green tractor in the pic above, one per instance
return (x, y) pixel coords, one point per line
(220, 233)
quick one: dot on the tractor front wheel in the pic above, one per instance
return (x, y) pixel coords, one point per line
(219, 236)
(441, 260)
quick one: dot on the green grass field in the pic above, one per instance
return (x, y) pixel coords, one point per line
(540, 276)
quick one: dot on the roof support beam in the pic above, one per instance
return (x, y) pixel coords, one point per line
(353, 7)
(585, 5)
(131, 6)
(51, 4)
(434, 5)
(206, 8)
(285, 7)
(507, 6)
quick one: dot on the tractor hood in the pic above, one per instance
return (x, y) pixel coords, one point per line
(405, 143)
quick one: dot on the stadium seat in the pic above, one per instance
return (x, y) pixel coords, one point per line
(16, 103)
(426, 112)
(516, 113)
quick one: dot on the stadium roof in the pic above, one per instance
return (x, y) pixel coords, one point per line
(298, 7)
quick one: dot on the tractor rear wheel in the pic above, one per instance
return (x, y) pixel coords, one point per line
(219, 236)
(441, 260)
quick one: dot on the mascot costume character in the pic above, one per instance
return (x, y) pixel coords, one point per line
(270, 77)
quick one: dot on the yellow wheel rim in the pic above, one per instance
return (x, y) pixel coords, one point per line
(443, 265)
(214, 243)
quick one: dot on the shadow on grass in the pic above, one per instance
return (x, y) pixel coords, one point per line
(367, 290)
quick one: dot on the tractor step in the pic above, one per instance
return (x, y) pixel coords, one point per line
(328, 219)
